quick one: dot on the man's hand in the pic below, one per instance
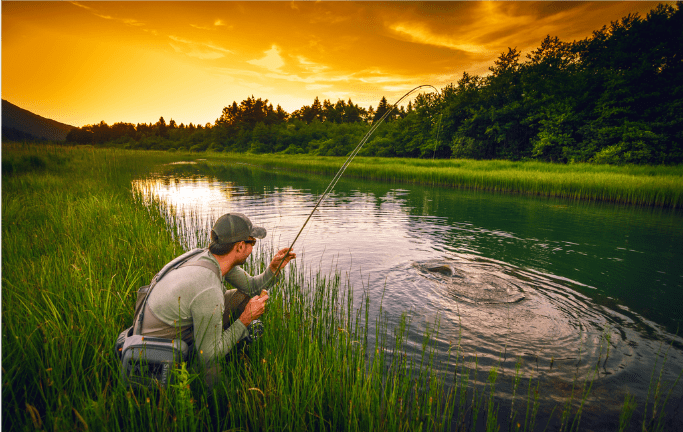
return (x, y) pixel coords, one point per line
(254, 309)
(281, 256)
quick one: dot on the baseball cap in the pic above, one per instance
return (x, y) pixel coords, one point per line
(235, 227)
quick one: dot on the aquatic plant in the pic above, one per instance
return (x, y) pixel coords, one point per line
(640, 185)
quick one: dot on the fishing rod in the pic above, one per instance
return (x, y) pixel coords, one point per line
(345, 165)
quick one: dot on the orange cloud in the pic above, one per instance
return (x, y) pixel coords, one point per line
(82, 62)
(271, 61)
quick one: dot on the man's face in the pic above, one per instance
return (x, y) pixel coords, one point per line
(246, 250)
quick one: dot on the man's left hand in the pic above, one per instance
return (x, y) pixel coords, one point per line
(282, 256)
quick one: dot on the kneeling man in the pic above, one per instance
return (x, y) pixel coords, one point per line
(192, 301)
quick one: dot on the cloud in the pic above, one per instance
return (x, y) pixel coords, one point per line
(317, 86)
(91, 10)
(310, 66)
(203, 55)
(398, 88)
(310, 79)
(201, 27)
(333, 96)
(127, 21)
(484, 29)
(272, 60)
(212, 27)
(132, 22)
(420, 33)
(329, 17)
(383, 79)
(321, 79)
(204, 51)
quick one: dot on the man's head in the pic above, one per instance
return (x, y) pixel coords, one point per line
(232, 229)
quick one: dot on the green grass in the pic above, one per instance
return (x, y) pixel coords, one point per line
(640, 185)
(77, 243)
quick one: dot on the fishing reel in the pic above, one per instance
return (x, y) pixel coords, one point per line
(255, 330)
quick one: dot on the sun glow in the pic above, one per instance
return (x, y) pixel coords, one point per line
(80, 63)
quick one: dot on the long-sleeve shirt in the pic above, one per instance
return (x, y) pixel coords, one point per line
(189, 302)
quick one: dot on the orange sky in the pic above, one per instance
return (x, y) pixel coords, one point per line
(83, 62)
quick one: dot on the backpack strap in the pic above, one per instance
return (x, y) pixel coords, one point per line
(181, 261)
(207, 265)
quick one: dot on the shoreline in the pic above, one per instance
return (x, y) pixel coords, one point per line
(632, 185)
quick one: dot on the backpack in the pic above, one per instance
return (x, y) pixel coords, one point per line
(146, 361)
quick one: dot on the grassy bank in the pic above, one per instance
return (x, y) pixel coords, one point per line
(641, 185)
(76, 244)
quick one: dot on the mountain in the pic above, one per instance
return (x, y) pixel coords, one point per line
(20, 124)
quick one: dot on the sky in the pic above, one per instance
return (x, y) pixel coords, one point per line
(83, 62)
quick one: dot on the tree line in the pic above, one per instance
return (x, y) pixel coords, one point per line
(615, 97)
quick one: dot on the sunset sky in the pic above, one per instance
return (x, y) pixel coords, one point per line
(83, 62)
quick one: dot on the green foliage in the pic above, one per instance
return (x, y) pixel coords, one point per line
(23, 164)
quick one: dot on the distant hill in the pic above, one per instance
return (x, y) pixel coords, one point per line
(20, 124)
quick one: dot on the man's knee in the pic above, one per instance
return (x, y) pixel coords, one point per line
(235, 302)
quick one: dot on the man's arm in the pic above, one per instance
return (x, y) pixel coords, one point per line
(250, 285)
(211, 341)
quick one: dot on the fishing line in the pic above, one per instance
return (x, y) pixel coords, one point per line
(347, 162)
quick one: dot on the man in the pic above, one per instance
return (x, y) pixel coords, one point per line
(192, 301)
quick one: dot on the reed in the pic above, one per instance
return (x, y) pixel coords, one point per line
(639, 185)
(76, 244)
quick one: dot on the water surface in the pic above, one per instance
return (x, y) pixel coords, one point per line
(562, 285)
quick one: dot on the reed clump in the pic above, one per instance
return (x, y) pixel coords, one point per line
(639, 185)
(76, 244)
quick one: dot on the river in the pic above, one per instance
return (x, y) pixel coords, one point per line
(562, 285)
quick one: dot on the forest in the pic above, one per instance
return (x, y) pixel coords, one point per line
(615, 97)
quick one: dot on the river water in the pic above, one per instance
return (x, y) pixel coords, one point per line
(562, 285)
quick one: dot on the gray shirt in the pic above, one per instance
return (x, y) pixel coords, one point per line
(189, 302)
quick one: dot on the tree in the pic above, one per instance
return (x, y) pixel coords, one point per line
(328, 113)
(382, 109)
(80, 136)
(281, 115)
(160, 128)
(248, 113)
(370, 115)
(353, 113)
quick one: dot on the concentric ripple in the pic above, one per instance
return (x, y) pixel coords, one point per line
(495, 309)
(471, 285)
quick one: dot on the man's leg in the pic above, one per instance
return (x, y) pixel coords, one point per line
(235, 302)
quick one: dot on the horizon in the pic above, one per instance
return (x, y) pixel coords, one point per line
(134, 62)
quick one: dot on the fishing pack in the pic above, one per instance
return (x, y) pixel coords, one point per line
(146, 361)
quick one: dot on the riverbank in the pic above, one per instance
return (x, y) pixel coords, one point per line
(76, 244)
(635, 185)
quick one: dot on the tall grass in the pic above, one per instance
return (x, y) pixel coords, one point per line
(76, 243)
(640, 185)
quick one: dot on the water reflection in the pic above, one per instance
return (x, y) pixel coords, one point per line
(563, 286)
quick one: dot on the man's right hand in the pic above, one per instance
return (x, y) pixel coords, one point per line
(254, 309)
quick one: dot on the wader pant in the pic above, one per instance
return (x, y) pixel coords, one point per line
(235, 302)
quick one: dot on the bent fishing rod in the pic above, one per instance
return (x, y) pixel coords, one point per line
(345, 165)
